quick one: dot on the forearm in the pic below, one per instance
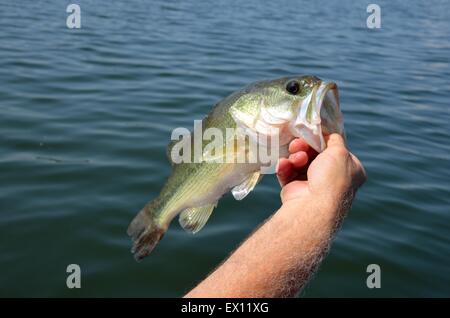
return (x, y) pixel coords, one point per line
(280, 257)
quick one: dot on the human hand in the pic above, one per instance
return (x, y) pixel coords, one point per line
(317, 186)
(332, 176)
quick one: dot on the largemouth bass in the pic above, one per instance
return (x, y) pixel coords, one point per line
(279, 110)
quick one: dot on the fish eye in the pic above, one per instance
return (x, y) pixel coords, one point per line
(293, 87)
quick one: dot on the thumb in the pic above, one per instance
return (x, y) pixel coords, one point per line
(294, 190)
(334, 140)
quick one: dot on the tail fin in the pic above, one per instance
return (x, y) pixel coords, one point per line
(144, 232)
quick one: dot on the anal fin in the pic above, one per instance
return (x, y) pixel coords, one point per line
(242, 190)
(192, 220)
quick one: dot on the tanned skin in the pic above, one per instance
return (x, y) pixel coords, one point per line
(280, 257)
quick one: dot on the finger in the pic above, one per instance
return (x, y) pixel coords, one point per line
(299, 159)
(285, 171)
(334, 140)
(298, 144)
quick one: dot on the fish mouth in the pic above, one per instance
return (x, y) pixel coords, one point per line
(319, 114)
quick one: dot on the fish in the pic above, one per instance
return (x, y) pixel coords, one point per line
(268, 112)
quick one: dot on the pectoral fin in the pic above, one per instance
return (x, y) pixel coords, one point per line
(240, 191)
(192, 220)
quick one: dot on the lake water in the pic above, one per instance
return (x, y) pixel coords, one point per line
(85, 117)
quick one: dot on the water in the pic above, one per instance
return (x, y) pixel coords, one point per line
(85, 116)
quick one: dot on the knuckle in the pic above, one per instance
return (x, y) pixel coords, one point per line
(342, 152)
(282, 194)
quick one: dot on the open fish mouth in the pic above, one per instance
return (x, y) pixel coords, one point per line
(319, 114)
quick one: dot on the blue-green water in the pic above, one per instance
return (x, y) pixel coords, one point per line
(85, 116)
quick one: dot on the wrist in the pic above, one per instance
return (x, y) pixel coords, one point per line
(328, 204)
(310, 205)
